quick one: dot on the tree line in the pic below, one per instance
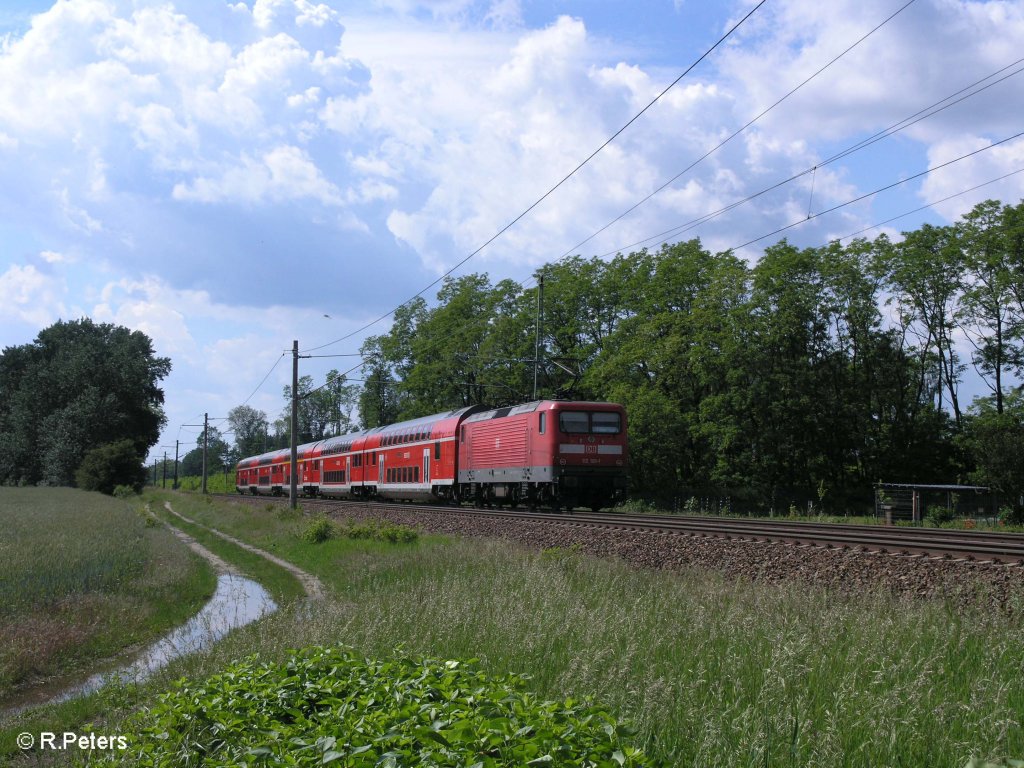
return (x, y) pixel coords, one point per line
(809, 375)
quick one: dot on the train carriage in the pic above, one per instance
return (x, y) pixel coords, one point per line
(340, 457)
(309, 472)
(246, 475)
(416, 460)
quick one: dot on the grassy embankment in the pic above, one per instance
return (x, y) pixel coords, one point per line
(711, 672)
(84, 578)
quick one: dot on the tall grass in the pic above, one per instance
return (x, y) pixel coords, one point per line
(83, 576)
(712, 672)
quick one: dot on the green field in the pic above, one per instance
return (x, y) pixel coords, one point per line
(710, 672)
(82, 578)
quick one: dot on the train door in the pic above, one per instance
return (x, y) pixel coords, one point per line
(426, 466)
(348, 470)
(380, 469)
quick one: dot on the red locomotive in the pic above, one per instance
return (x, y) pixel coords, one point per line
(545, 453)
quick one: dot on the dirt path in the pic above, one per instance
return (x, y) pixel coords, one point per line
(311, 584)
(220, 565)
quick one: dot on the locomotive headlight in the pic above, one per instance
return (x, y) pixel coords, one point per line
(562, 462)
(618, 462)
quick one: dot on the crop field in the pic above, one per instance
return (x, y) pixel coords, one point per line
(83, 577)
(708, 671)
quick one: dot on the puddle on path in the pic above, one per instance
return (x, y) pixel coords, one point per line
(236, 602)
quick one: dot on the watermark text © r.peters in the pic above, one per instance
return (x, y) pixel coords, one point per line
(70, 740)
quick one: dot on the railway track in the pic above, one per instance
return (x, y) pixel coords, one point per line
(914, 542)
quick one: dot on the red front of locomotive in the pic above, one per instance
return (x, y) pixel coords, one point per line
(545, 453)
(586, 444)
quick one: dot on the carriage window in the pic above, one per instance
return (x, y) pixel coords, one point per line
(416, 474)
(437, 451)
(606, 423)
(574, 422)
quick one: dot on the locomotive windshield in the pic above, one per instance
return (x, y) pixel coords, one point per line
(584, 422)
(603, 423)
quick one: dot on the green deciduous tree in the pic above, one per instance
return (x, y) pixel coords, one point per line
(988, 305)
(250, 428)
(78, 386)
(924, 271)
(995, 441)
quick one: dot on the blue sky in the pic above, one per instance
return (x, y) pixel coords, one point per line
(223, 175)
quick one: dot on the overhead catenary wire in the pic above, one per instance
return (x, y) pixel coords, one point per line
(740, 130)
(906, 122)
(264, 379)
(839, 239)
(814, 216)
(929, 111)
(930, 204)
(551, 191)
(893, 129)
(882, 189)
(344, 375)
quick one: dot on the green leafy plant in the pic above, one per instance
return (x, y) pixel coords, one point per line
(938, 515)
(325, 706)
(319, 530)
(390, 532)
(1010, 516)
(124, 492)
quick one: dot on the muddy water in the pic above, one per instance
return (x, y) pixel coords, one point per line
(236, 602)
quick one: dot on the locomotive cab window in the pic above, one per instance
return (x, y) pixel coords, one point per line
(606, 423)
(542, 422)
(574, 422)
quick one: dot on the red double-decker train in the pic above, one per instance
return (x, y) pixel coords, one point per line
(551, 453)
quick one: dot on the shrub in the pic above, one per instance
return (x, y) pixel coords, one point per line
(110, 465)
(319, 530)
(398, 534)
(390, 532)
(326, 705)
(124, 492)
(1010, 516)
(938, 515)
